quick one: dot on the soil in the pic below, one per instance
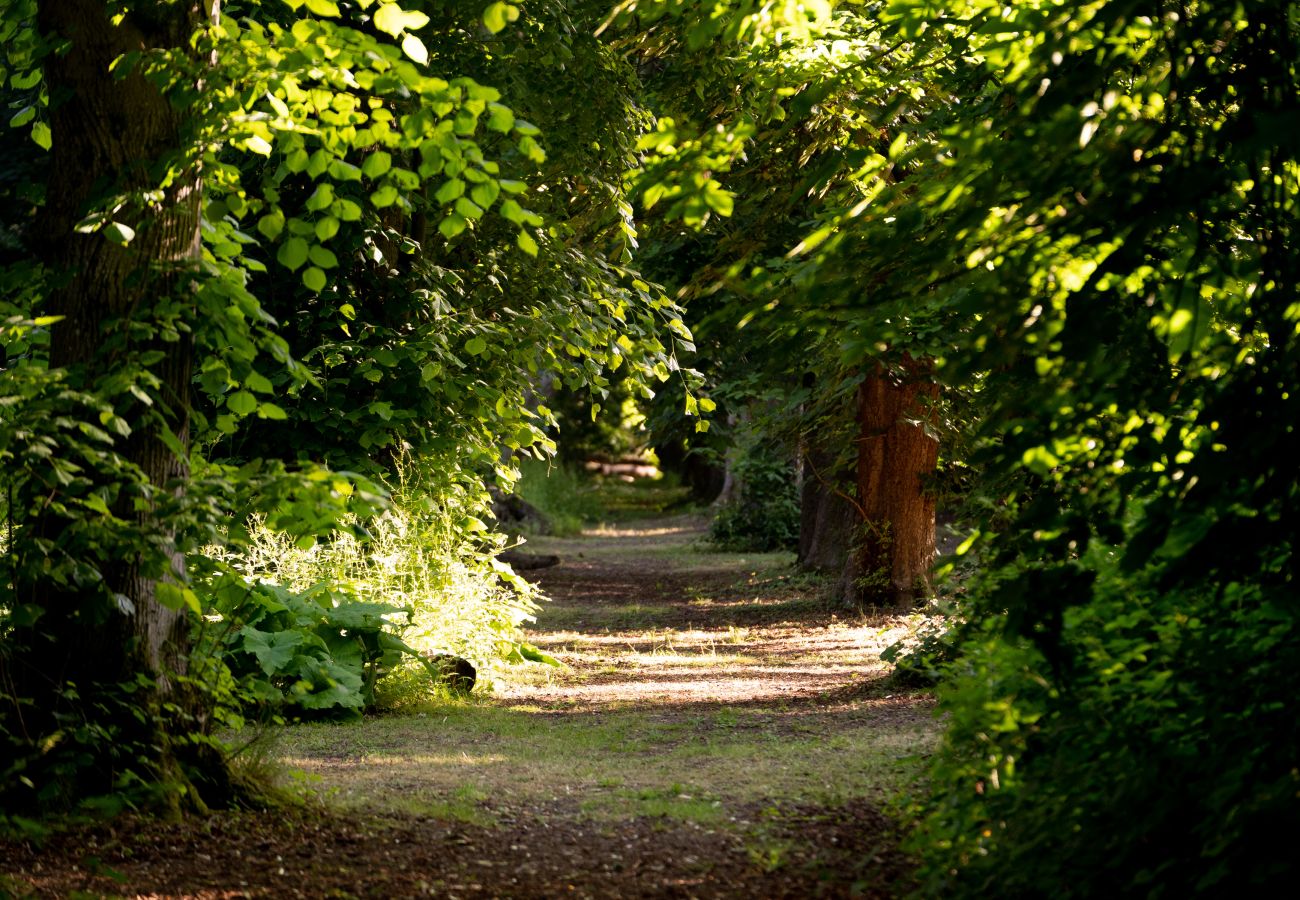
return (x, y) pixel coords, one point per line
(713, 654)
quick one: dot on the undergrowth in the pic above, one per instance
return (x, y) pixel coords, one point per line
(564, 496)
(429, 585)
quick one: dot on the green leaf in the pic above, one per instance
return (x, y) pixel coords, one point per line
(297, 160)
(475, 345)
(497, 15)
(898, 145)
(450, 190)
(271, 411)
(274, 650)
(317, 163)
(119, 234)
(485, 194)
(24, 81)
(326, 228)
(532, 654)
(385, 196)
(451, 226)
(292, 254)
(323, 257)
(500, 118)
(256, 381)
(346, 210)
(314, 279)
(271, 224)
(241, 403)
(391, 19)
(511, 211)
(327, 8)
(377, 164)
(258, 144)
(174, 596)
(720, 201)
(327, 685)
(25, 615)
(344, 171)
(468, 208)
(413, 47)
(322, 197)
(527, 243)
(42, 136)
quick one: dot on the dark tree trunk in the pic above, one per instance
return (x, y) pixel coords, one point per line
(828, 519)
(109, 136)
(895, 456)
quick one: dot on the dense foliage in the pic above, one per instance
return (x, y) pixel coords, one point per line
(1084, 215)
(1078, 218)
(1107, 214)
(763, 514)
(391, 262)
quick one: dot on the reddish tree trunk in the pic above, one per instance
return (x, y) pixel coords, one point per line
(895, 455)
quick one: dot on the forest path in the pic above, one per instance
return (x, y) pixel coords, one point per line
(714, 731)
(645, 615)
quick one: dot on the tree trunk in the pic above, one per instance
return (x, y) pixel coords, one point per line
(828, 520)
(895, 455)
(109, 136)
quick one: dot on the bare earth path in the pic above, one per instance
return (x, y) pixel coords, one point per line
(714, 732)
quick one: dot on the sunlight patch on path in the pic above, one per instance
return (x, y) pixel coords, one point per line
(671, 666)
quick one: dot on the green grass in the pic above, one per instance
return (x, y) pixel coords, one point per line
(572, 499)
(462, 761)
(564, 496)
(623, 500)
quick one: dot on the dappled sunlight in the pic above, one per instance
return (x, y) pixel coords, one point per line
(605, 530)
(403, 757)
(676, 666)
(667, 690)
(690, 686)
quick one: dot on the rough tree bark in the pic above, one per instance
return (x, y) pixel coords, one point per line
(109, 135)
(895, 455)
(828, 519)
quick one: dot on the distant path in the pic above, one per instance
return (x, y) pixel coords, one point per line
(645, 616)
(715, 732)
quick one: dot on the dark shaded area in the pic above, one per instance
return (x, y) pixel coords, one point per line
(514, 514)
(534, 852)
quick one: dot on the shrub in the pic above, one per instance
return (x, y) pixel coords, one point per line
(764, 513)
(1153, 750)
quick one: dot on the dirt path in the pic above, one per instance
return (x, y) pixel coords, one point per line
(713, 733)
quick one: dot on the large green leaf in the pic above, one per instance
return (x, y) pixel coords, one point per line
(275, 651)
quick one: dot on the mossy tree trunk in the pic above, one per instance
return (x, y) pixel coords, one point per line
(106, 651)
